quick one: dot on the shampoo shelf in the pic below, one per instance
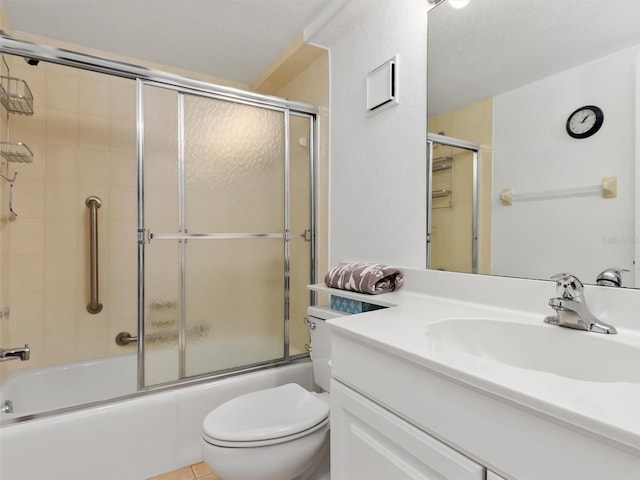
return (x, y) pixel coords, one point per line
(16, 152)
(440, 193)
(441, 163)
(16, 96)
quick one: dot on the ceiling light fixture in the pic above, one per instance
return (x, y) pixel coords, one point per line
(458, 3)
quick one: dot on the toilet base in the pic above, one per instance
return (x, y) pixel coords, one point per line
(320, 469)
(299, 459)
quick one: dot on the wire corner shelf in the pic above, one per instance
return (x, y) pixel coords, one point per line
(16, 152)
(442, 163)
(441, 193)
(15, 95)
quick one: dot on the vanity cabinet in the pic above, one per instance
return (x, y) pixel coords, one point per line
(396, 416)
(368, 441)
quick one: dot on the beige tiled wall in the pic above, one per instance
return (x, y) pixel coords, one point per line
(83, 138)
(451, 222)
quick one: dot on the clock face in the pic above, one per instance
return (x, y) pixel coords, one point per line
(585, 121)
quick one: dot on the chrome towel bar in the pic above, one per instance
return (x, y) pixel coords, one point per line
(93, 203)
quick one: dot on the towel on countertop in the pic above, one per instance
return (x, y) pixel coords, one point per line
(364, 278)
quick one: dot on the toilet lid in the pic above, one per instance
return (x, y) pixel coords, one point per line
(266, 414)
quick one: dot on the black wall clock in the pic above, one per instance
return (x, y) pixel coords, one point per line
(585, 121)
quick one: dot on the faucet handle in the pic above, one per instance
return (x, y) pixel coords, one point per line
(611, 277)
(568, 286)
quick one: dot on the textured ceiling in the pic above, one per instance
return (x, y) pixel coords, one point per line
(493, 46)
(232, 39)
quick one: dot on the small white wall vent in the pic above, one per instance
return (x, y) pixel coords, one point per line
(382, 86)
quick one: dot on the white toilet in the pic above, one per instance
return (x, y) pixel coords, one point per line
(279, 433)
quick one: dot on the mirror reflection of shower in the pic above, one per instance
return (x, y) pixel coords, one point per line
(462, 134)
(453, 205)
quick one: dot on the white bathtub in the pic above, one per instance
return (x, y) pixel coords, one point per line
(132, 439)
(51, 388)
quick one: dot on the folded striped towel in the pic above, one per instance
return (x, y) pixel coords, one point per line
(364, 278)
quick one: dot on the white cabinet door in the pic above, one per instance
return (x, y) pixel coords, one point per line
(368, 442)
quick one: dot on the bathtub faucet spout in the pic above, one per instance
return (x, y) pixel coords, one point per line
(22, 353)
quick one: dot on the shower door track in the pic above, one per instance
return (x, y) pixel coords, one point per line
(94, 63)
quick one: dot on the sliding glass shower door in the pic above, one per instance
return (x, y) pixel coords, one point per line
(215, 233)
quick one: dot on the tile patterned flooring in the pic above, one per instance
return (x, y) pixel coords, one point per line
(199, 471)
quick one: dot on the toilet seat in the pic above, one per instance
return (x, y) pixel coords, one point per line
(266, 442)
(266, 417)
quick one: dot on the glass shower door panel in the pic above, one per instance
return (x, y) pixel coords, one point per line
(160, 159)
(299, 296)
(234, 307)
(161, 312)
(300, 174)
(300, 218)
(233, 167)
(161, 276)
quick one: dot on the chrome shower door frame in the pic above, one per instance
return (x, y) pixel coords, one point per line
(145, 236)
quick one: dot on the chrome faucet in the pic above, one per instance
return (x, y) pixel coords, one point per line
(22, 353)
(571, 307)
(611, 277)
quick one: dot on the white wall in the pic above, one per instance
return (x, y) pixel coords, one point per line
(532, 152)
(378, 162)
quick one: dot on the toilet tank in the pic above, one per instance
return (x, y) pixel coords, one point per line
(321, 344)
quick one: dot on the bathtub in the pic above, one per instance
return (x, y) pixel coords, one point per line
(129, 439)
(61, 386)
(52, 388)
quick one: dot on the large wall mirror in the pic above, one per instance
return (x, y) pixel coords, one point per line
(507, 76)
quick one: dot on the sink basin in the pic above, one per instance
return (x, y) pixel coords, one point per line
(544, 348)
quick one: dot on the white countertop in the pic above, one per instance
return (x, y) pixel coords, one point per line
(609, 410)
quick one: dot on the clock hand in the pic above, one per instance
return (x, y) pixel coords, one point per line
(585, 118)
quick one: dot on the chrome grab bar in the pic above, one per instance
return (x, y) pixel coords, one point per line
(125, 338)
(93, 203)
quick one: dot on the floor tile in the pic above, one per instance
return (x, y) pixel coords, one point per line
(200, 470)
(211, 476)
(181, 474)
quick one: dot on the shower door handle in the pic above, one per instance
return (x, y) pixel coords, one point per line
(93, 203)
